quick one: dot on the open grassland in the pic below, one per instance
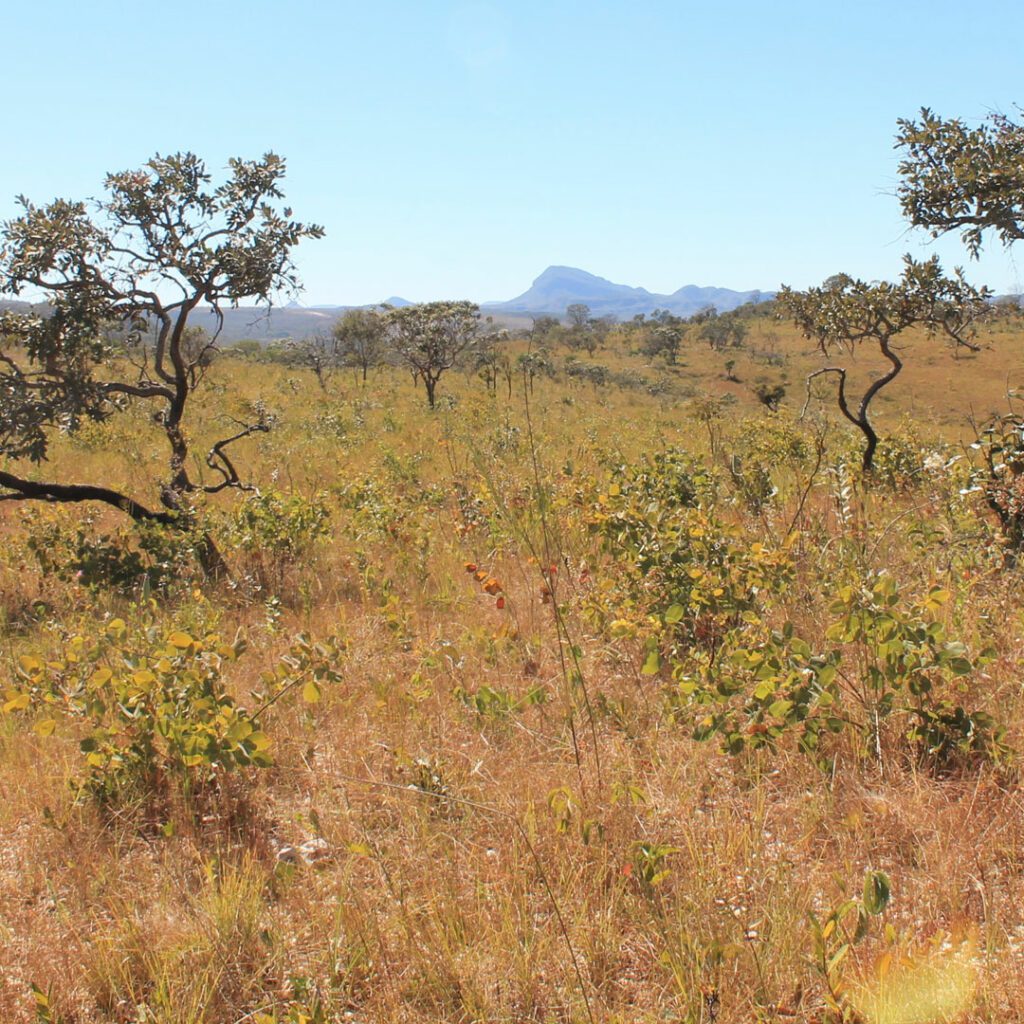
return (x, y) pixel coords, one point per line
(622, 702)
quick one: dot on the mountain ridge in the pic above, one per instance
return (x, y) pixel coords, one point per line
(559, 287)
(551, 293)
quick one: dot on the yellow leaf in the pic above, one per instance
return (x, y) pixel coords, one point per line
(180, 639)
(30, 664)
(19, 703)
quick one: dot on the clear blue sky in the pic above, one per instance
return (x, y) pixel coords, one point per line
(455, 149)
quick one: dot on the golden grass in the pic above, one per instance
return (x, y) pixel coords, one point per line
(484, 868)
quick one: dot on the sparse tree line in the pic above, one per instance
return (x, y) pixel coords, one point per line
(122, 277)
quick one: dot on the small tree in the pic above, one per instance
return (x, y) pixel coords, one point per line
(845, 313)
(492, 362)
(431, 337)
(578, 314)
(722, 330)
(543, 328)
(359, 338)
(971, 180)
(161, 242)
(318, 353)
(533, 364)
(664, 338)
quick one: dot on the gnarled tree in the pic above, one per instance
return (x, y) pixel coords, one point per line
(159, 245)
(845, 313)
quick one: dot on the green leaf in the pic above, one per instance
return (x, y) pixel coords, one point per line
(877, 892)
(674, 614)
(838, 956)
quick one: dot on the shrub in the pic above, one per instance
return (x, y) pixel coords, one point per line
(1001, 480)
(690, 573)
(275, 530)
(150, 556)
(894, 670)
(156, 709)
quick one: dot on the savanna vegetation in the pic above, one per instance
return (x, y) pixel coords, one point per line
(424, 671)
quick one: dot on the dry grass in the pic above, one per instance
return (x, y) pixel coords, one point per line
(484, 867)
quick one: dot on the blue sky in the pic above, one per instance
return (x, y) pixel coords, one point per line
(456, 149)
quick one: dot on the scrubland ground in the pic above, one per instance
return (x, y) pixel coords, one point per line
(624, 703)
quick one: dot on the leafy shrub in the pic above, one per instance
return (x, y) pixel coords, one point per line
(773, 440)
(761, 686)
(899, 461)
(149, 556)
(157, 712)
(1001, 444)
(313, 663)
(275, 530)
(894, 665)
(693, 575)
(285, 524)
(907, 668)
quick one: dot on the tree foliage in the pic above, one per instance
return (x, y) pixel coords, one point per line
(162, 241)
(318, 352)
(845, 313)
(431, 337)
(959, 178)
(359, 336)
(578, 314)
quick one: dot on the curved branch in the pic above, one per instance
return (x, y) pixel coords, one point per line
(31, 490)
(217, 459)
(138, 390)
(844, 408)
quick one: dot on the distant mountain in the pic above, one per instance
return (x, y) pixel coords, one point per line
(267, 324)
(291, 321)
(552, 292)
(560, 287)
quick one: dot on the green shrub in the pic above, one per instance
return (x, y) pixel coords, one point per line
(146, 556)
(156, 710)
(275, 531)
(893, 674)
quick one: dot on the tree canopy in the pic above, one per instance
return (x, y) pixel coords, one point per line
(359, 336)
(955, 177)
(160, 243)
(431, 337)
